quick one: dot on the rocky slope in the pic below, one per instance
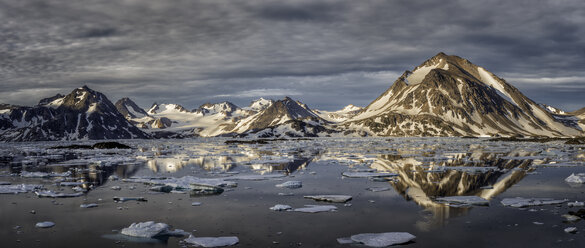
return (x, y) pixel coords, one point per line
(450, 96)
(81, 115)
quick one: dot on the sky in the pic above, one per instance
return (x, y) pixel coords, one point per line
(327, 54)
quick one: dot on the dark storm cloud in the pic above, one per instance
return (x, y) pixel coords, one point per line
(325, 53)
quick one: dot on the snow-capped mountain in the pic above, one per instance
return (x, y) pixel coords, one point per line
(342, 115)
(129, 109)
(450, 96)
(283, 117)
(83, 114)
(259, 104)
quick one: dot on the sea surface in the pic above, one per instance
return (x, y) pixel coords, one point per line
(406, 198)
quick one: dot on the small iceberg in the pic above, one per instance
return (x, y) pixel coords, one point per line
(378, 239)
(147, 229)
(330, 198)
(357, 174)
(316, 208)
(291, 184)
(280, 207)
(519, 202)
(576, 178)
(89, 205)
(19, 188)
(45, 224)
(212, 241)
(52, 194)
(571, 229)
(465, 200)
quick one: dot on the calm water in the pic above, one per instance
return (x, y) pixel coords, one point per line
(426, 168)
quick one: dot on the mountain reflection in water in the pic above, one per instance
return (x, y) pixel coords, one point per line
(423, 182)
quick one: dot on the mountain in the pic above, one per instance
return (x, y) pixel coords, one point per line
(450, 96)
(260, 104)
(344, 114)
(129, 109)
(83, 114)
(285, 117)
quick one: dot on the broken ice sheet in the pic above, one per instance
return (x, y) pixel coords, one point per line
(519, 202)
(329, 198)
(378, 239)
(316, 208)
(353, 174)
(290, 184)
(378, 189)
(280, 207)
(52, 194)
(467, 200)
(576, 178)
(45, 224)
(19, 188)
(212, 241)
(150, 229)
(44, 174)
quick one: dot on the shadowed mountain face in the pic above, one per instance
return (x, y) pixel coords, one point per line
(450, 96)
(82, 114)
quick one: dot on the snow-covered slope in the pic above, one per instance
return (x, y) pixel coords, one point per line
(344, 114)
(129, 109)
(450, 96)
(83, 114)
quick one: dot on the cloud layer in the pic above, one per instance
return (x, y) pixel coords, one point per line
(326, 53)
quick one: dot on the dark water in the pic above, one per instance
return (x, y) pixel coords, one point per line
(423, 168)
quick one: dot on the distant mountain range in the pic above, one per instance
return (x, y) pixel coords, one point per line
(444, 96)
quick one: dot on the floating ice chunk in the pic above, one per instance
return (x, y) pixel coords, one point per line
(196, 204)
(147, 229)
(52, 194)
(537, 223)
(570, 217)
(576, 204)
(212, 241)
(45, 224)
(316, 208)
(576, 178)
(280, 207)
(184, 183)
(113, 178)
(204, 189)
(467, 200)
(89, 205)
(329, 198)
(286, 194)
(20, 188)
(116, 188)
(378, 189)
(354, 174)
(38, 174)
(125, 199)
(379, 239)
(571, 229)
(519, 202)
(72, 183)
(257, 177)
(291, 184)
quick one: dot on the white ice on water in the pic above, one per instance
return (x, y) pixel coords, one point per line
(330, 198)
(52, 194)
(467, 200)
(378, 239)
(147, 229)
(280, 207)
(357, 174)
(520, 202)
(212, 241)
(89, 205)
(45, 224)
(291, 184)
(576, 178)
(19, 188)
(316, 208)
(576, 204)
(38, 174)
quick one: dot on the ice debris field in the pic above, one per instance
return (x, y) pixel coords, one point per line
(329, 192)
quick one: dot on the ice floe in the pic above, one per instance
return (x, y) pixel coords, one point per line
(329, 198)
(378, 239)
(212, 241)
(571, 229)
(316, 208)
(19, 188)
(53, 194)
(291, 184)
(45, 224)
(576, 204)
(186, 183)
(127, 198)
(255, 177)
(280, 207)
(357, 174)
(519, 202)
(465, 200)
(38, 174)
(378, 189)
(570, 217)
(147, 229)
(89, 205)
(576, 178)
(196, 204)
